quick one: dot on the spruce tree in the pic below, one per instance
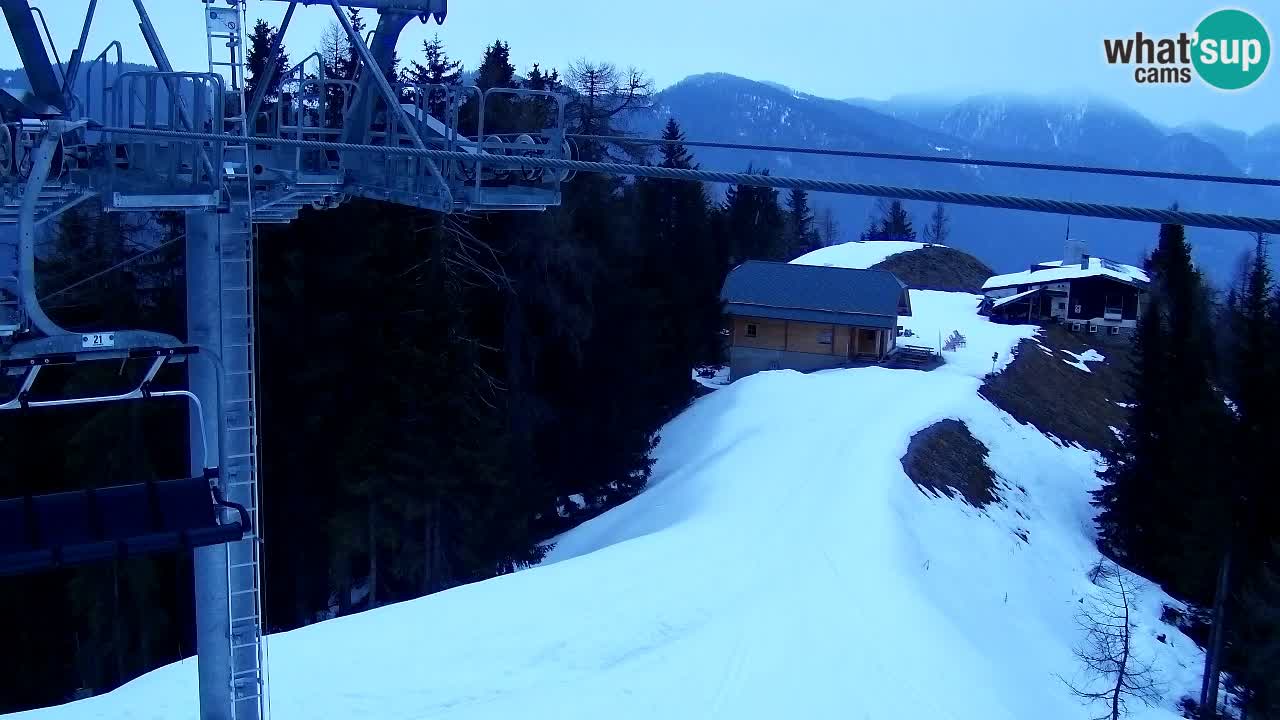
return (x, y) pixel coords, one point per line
(683, 269)
(256, 61)
(496, 70)
(802, 236)
(895, 224)
(1252, 365)
(754, 223)
(1163, 502)
(438, 70)
(501, 114)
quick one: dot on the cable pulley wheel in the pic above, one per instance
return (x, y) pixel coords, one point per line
(528, 147)
(6, 151)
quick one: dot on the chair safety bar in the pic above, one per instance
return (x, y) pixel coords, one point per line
(33, 364)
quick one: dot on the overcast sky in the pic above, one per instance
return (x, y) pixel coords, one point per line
(834, 48)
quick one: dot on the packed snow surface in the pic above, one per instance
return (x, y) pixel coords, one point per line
(936, 314)
(779, 565)
(857, 254)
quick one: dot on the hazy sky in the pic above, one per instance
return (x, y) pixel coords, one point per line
(834, 48)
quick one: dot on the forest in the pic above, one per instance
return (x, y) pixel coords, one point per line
(442, 395)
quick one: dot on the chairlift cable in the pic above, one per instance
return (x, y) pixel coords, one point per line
(1059, 207)
(946, 159)
(113, 268)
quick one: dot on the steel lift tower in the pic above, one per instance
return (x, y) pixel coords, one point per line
(56, 152)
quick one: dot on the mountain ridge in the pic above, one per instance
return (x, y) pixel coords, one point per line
(730, 108)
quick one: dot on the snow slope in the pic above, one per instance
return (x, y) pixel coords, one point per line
(856, 254)
(935, 315)
(780, 564)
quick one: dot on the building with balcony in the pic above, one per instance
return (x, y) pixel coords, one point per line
(1087, 294)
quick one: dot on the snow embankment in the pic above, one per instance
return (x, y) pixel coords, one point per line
(780, 564)
(857, 254)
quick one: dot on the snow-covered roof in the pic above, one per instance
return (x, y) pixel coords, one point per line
(856, 254)
(1014, 298)
(1055, 271)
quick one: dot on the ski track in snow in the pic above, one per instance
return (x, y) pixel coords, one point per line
(779, 564)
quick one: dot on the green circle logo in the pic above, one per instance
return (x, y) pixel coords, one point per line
(1232, 49)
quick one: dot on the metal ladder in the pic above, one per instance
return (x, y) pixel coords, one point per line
(239, 478)
(225, 27)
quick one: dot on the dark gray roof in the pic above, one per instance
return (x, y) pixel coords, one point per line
(813, 293)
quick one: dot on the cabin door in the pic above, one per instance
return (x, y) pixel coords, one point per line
(864, 342)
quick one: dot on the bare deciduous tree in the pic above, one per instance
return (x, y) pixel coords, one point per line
(602, 94)
(1113, 672)
(939, 226)
(828, 227)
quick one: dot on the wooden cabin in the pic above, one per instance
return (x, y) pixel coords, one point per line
(805, 317)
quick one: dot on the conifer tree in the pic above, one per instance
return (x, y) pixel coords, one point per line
(802, 236)
(895, 224)
(754, 223)
(1164, 510)
(683, 269)
(256, 61)
(438, 69)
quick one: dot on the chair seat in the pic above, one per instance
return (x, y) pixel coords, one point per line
(70, 528)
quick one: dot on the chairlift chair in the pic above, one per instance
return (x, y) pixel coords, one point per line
(43, 532)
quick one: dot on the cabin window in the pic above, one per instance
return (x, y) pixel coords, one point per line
(1114, 304)
(751, 330)
(1114, 330)
(824, 337)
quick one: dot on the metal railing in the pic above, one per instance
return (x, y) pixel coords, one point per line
(159, 100)
(313, 107)
(101, 61)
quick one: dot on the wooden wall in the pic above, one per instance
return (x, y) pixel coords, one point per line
(803, 337)
(796, 336)
(770, 334)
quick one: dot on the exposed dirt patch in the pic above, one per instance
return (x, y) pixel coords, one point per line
(937, 268)
(1041, 389)
(946, 458)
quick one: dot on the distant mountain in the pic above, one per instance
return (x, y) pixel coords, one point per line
(1081, 127)
(1257, 154)
(1084, 131)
